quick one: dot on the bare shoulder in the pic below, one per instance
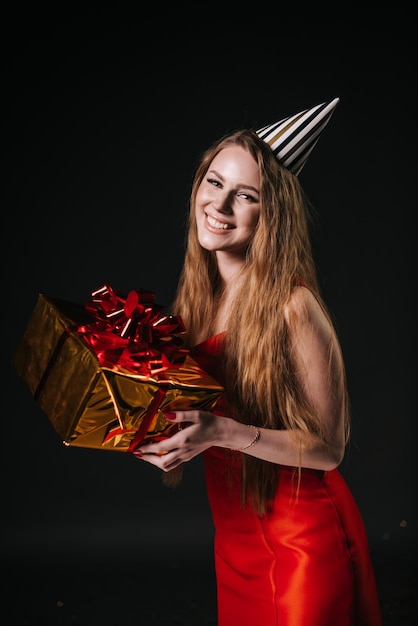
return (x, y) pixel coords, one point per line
(302, 304)
(304, 309)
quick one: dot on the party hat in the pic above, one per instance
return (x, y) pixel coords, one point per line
(293, 138)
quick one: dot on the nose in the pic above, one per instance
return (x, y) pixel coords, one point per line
(222, 203)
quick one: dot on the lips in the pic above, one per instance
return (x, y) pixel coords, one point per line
(217, 225)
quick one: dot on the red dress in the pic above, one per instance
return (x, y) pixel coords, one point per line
(305, 563)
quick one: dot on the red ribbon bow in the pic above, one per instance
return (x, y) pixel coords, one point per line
(131, 331)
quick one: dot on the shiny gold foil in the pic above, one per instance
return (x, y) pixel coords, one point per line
(92, 406)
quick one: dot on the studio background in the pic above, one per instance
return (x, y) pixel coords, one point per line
(106, 116)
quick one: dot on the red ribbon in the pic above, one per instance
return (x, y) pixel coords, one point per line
(130, 331)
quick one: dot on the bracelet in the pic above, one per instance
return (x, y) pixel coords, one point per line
(256, 438)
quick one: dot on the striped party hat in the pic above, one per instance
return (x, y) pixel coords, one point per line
(293, 138)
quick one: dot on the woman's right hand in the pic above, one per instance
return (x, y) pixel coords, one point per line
(197, 431)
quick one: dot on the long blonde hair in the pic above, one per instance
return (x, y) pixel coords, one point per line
(263, 390)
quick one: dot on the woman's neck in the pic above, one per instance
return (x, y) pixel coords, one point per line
(225, 303)
(230, 266)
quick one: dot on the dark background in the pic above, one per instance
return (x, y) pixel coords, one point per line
(105, 116)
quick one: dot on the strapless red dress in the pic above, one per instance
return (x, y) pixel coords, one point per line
(305, 563)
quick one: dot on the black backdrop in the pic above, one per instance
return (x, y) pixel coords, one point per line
(105, 117)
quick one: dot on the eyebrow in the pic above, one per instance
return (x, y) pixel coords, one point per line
(239, 184)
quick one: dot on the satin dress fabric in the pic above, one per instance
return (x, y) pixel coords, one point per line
(305, 563)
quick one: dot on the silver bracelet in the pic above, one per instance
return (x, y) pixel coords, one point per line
(256, 438)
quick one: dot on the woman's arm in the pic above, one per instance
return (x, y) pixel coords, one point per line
(320, 372)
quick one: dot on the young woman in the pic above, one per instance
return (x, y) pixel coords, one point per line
(290, 545)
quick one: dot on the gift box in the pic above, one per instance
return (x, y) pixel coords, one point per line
(104, 372)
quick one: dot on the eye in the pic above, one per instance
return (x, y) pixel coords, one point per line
(247, 197)
(214, 182)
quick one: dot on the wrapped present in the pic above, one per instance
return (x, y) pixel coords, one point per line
(105, 372)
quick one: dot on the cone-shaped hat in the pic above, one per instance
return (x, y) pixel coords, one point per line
(293, 138)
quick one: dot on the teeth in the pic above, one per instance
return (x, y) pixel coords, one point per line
(215, 224)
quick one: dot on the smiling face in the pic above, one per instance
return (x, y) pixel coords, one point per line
(228, 202)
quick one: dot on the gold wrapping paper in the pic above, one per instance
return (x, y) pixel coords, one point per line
(93, 406)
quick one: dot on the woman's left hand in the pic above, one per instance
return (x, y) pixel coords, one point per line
(198, 430)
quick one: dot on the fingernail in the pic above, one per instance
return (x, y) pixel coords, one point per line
(170, 416)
